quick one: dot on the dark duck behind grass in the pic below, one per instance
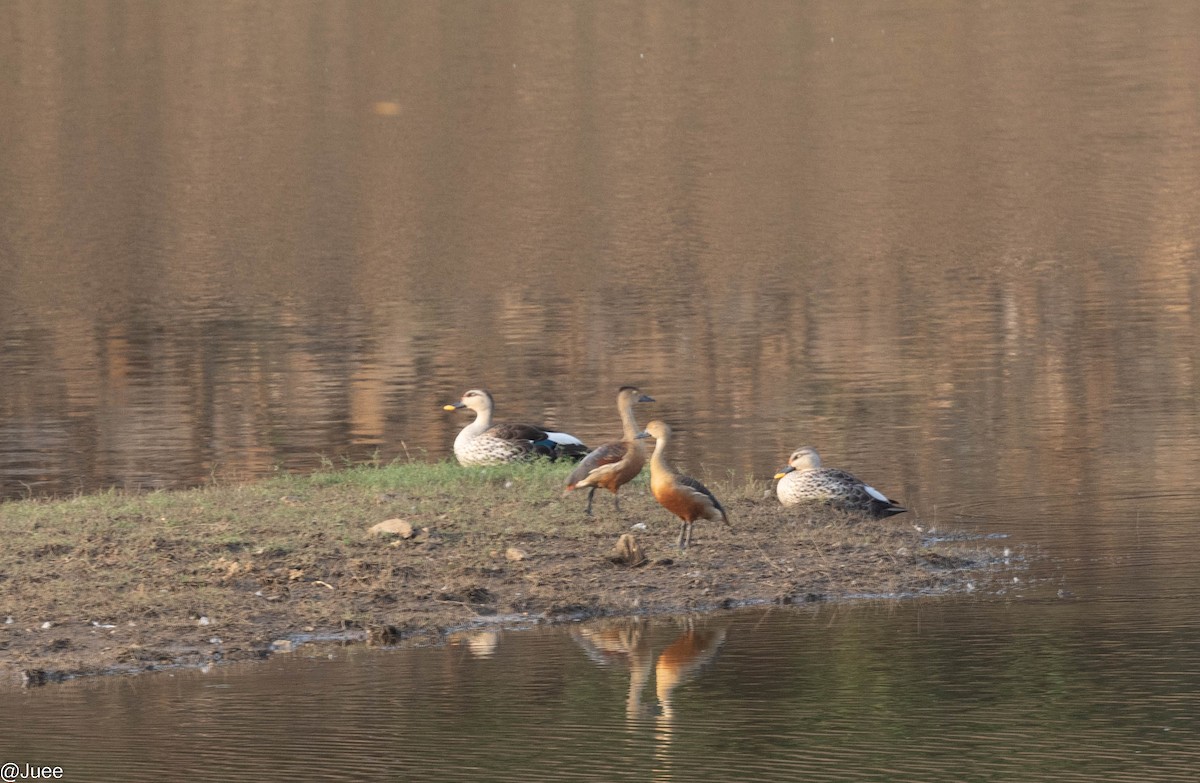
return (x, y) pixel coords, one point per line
(614, 464)
(483, 443)
(804, 481)
(683, 496)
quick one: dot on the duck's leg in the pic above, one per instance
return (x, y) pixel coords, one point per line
(682, 542)
(688, 541)
(591, 492)
(617, 502)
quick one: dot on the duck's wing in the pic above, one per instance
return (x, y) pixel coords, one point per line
(835, 477)
(564, 445)
(546, 443)
(517, 432)
(853, 491)
(699, 488)
(881, 505)
(604, 454)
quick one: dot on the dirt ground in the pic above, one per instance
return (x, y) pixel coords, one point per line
(128, 583)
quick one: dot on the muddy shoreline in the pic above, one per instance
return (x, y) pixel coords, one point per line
(119, 584)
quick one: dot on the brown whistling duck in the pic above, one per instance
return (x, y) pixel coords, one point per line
(683, 496)
(483, 443)
(614, 464)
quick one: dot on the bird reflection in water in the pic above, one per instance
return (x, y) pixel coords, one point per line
(683, 659)
(482, 644)
(628, 642)
(623, 642)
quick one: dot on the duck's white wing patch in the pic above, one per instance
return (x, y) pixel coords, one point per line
(882, 498)
(563, 439)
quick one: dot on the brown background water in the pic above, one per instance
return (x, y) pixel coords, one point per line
(952, 246)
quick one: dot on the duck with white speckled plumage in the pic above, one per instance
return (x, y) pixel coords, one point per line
(805, 481)
(483, 443)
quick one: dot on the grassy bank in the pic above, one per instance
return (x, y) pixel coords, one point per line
(119, 580)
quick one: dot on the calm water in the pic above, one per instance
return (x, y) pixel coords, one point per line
(909, 691)
(952, 246)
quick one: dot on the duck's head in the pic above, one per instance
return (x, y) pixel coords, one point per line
(656, 429)
(803, 458)
(475, 399)
(632, 394)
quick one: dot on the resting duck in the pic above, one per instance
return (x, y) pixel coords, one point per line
(484, 443)
(614, 464)
(682, 495)
(805, 481)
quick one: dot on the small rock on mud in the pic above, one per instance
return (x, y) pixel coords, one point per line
(393, 527)
(628, 552)
(382, 635)
(33, 678)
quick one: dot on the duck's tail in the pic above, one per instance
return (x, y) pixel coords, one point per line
(560, 445)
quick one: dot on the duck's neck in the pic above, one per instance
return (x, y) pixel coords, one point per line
(629, 427)
(483, 420)
(658, 460)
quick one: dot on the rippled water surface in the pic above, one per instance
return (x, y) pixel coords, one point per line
(953, 246)
(908, 691)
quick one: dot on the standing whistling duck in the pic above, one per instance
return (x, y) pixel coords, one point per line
(614, 464)
(805, 481)
(682, 495)
(484, 443)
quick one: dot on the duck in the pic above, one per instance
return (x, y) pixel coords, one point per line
(805, 481)
(483, 443)
(614, 464)
(683, 496)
